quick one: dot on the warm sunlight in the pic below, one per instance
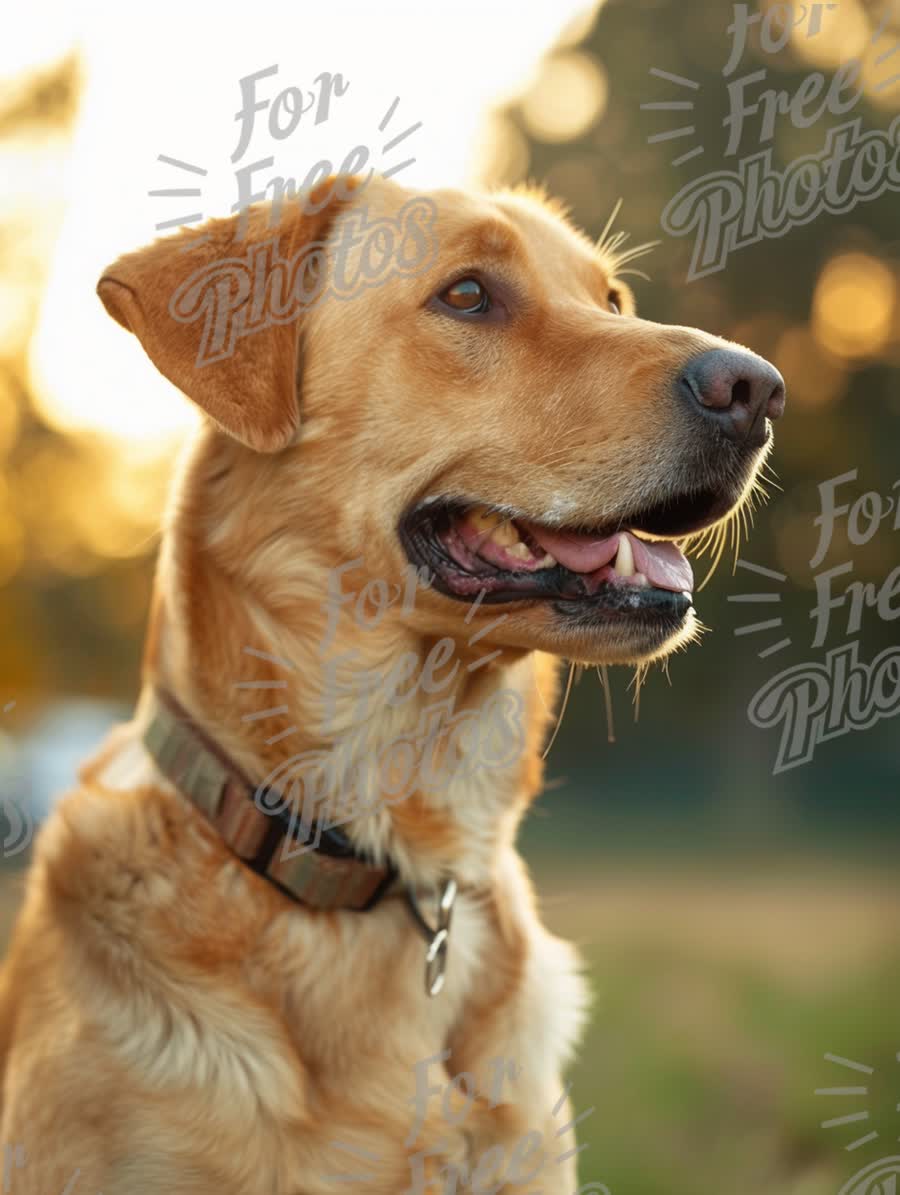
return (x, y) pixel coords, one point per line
(88, 373)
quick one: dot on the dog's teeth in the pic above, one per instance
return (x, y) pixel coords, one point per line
(624, 565)
(483, 519)
(503, 532)
(494, 526)
(507, 537)
(640, 581)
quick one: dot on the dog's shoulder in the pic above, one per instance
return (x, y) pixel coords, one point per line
(124, 983)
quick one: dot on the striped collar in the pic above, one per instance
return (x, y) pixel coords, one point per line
(321, 870)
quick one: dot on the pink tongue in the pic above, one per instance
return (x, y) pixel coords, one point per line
(663, 564)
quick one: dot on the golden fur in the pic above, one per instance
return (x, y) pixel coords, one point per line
(168, 1020)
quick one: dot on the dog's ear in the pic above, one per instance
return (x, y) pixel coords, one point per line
(218, 309)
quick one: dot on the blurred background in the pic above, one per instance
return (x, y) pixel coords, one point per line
(739, 924)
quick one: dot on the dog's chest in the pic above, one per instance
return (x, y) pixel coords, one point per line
(316, 1027)
(380, 1041)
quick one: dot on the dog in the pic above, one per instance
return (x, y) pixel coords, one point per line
(478, 463)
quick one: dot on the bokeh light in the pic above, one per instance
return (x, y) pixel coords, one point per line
(502, 156)
(843, 32)
(568, 95)
(853, 306)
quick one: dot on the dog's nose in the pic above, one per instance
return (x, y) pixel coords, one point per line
(736, 389)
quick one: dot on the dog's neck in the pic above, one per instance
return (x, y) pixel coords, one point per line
(438, 741)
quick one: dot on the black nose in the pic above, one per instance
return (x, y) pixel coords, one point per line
(737, 390)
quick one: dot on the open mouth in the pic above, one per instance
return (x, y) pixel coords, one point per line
(619, 569)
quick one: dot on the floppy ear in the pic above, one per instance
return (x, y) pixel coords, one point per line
(218, 310)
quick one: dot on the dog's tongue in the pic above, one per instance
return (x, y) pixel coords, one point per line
(663, 564)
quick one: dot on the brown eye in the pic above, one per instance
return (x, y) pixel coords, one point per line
(467, 295)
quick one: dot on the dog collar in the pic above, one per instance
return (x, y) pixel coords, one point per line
(328, 873)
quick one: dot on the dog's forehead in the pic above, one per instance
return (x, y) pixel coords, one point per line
(520, 230)
(517, 229)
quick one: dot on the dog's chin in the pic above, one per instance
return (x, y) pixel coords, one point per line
(607, 633)
(620, 592)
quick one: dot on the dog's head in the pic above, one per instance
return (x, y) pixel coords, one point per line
(459, 382)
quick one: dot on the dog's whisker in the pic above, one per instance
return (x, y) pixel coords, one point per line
(615, 241)
(601, 240)
(641, 672)
(632, 254)
(636, 251)
(565, 702)
(717, 548)
(603, 673)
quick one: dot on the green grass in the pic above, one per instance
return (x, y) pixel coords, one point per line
(716, 1001)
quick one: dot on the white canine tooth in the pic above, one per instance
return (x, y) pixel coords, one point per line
(624, 565)
(519, 550)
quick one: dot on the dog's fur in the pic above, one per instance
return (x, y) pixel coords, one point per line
(169, 1020)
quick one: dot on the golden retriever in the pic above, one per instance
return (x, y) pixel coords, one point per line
(474, 462)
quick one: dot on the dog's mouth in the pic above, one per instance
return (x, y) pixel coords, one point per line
(622, 567)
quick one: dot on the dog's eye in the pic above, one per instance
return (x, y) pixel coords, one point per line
(467, 295)
(613, 300)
